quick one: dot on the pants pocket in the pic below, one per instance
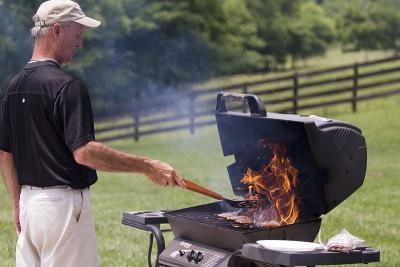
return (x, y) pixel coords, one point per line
(78, 202)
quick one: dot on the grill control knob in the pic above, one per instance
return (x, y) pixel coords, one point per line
(199, 257)
(191, 256)
(181, 253)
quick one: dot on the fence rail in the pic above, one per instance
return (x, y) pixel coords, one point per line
(348, 84)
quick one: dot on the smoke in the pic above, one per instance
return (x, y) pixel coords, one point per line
(146, 65)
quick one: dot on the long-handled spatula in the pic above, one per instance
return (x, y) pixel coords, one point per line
(246, 203)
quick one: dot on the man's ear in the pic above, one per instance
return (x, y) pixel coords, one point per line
(56, 29)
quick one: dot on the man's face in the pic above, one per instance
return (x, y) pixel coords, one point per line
(68, 41)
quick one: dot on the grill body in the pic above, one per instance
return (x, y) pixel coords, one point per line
(201, 224)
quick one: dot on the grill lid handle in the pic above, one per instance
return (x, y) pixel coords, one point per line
(257, 107)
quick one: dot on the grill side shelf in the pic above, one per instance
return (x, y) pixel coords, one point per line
(258, 253)
(145, 217)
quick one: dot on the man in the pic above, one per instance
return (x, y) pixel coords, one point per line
(48, 152)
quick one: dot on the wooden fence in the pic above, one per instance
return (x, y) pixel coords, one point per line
(298, 91)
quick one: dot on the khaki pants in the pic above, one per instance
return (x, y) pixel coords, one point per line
(57, 229)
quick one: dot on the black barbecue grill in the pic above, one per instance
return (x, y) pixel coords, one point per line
(330, 158)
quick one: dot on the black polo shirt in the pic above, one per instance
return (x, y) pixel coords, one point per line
(45, 115)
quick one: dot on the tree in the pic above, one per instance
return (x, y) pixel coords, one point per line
(387, 26)
(273, 19)
(356, 30)
(310, 32)
(367, 25)
(15, 42)
(225, 28)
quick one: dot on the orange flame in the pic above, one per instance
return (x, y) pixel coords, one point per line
(277, 181)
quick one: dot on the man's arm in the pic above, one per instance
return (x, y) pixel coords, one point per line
(9, 174)
(101, 157)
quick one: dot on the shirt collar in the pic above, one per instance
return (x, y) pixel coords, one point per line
(42, 62)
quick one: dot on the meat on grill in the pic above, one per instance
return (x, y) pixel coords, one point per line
(233, 216)
(268, 224)
(241, 219)
(226, 215)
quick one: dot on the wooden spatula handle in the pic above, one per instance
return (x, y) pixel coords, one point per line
(201, 190)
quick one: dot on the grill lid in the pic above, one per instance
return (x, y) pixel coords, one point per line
(329, 155)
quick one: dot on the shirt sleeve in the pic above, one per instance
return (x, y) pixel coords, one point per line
(4, 133)
(75, 112)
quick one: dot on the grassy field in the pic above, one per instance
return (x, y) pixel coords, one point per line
(371, 213)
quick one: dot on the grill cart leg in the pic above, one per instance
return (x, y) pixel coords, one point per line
(149, 222)
(157, 233)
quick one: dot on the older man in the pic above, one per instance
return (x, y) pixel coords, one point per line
(48, 152)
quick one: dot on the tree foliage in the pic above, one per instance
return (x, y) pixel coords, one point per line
(15, 47)
(310, 33)
(273, 19)
(145, 47)
(367, 25)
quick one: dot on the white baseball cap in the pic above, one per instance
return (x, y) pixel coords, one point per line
(53, 11)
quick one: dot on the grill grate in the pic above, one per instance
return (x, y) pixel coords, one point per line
(211, 218)
(208, 215)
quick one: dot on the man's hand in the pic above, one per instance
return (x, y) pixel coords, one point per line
(163, 174)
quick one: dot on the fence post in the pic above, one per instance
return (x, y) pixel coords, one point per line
(354, 89)
(191, 113)
(245, 91)
(136, 132)
(295, 92)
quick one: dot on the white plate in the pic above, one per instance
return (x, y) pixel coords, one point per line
(289, 245)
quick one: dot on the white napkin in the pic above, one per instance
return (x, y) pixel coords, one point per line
(343, 242)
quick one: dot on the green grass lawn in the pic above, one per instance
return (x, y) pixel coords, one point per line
(371, 213)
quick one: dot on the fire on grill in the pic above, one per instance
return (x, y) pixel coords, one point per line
(277, 181)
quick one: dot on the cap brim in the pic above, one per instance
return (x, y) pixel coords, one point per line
(88, 22)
